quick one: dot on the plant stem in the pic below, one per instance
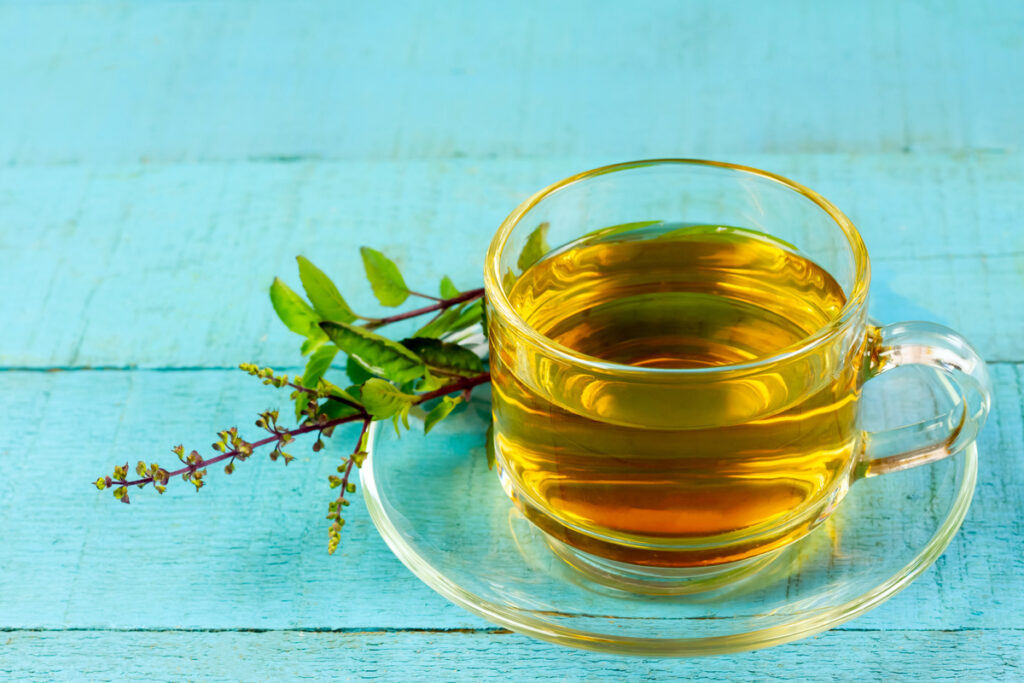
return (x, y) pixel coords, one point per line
(425, 296)
(464, 384)
(461, 385)
(255, 444)
(335, 397)
(440, 306)
(352, 460)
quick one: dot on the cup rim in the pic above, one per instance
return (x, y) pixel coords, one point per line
(498, 300)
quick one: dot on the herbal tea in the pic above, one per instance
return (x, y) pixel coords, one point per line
(687, 491)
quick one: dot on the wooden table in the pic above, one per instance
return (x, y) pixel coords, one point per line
(160, 162)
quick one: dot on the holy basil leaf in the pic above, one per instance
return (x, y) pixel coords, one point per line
(431, 382)
(472, 315)
(295, 313)
(317, 365)
(302, 401)
(535, 248)
(448, 289)
(380, 355)
(508, 280)
(325, 297)
(439, 412)
(726, 233)
(452, 320)
(385, 279)
(351, 394)
(333, 409)
(383, 400)
(357, 374)
(441, 324)
(619, 229)
(311, 345)
(445, 355)
(340, 403)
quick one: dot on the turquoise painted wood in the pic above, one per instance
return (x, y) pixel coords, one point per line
(160, 162)
(248, 551)
(181, 81)
(484, 655)
(206, 240)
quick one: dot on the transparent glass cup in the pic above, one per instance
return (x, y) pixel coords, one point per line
(677, 479)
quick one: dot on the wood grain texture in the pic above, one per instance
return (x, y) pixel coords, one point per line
(168, 266)
(249, 551)
(190, 81)
(474, 656)
(160, 162)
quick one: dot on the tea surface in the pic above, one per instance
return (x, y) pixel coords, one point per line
(691, 297)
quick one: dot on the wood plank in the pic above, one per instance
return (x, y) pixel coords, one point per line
(249, 551)
(160, 161)
(185, 81)
(938, 655)
(168, 265)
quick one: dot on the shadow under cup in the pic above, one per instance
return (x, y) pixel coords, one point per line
(665, 475)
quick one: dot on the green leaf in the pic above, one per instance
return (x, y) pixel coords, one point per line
(439, 412)
(440, 324)
(508, 280)
(535, 248)
(445, 355)
(726, 233)
(301, 403)
(317, 365)
(472, 315)
(381, 355)
(295, 313)
(431, 382)
(350, 394)
(385, 279)
(311, 345)
(334, 409)
(326, 299)
(620, 228)
(448, 289)
(383, 400)
(490, 445)
(340, 403)
(452, 320)
(357, 374)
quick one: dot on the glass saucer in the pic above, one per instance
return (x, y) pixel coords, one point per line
(445, 515)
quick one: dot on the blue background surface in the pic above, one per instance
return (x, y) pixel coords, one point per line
(160, 162)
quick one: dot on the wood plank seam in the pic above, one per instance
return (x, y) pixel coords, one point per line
(221, 368)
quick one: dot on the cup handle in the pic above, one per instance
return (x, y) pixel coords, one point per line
(948, 354)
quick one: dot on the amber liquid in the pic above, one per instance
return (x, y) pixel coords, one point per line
(683, 472)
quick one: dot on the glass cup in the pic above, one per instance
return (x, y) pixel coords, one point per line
(666, 478)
